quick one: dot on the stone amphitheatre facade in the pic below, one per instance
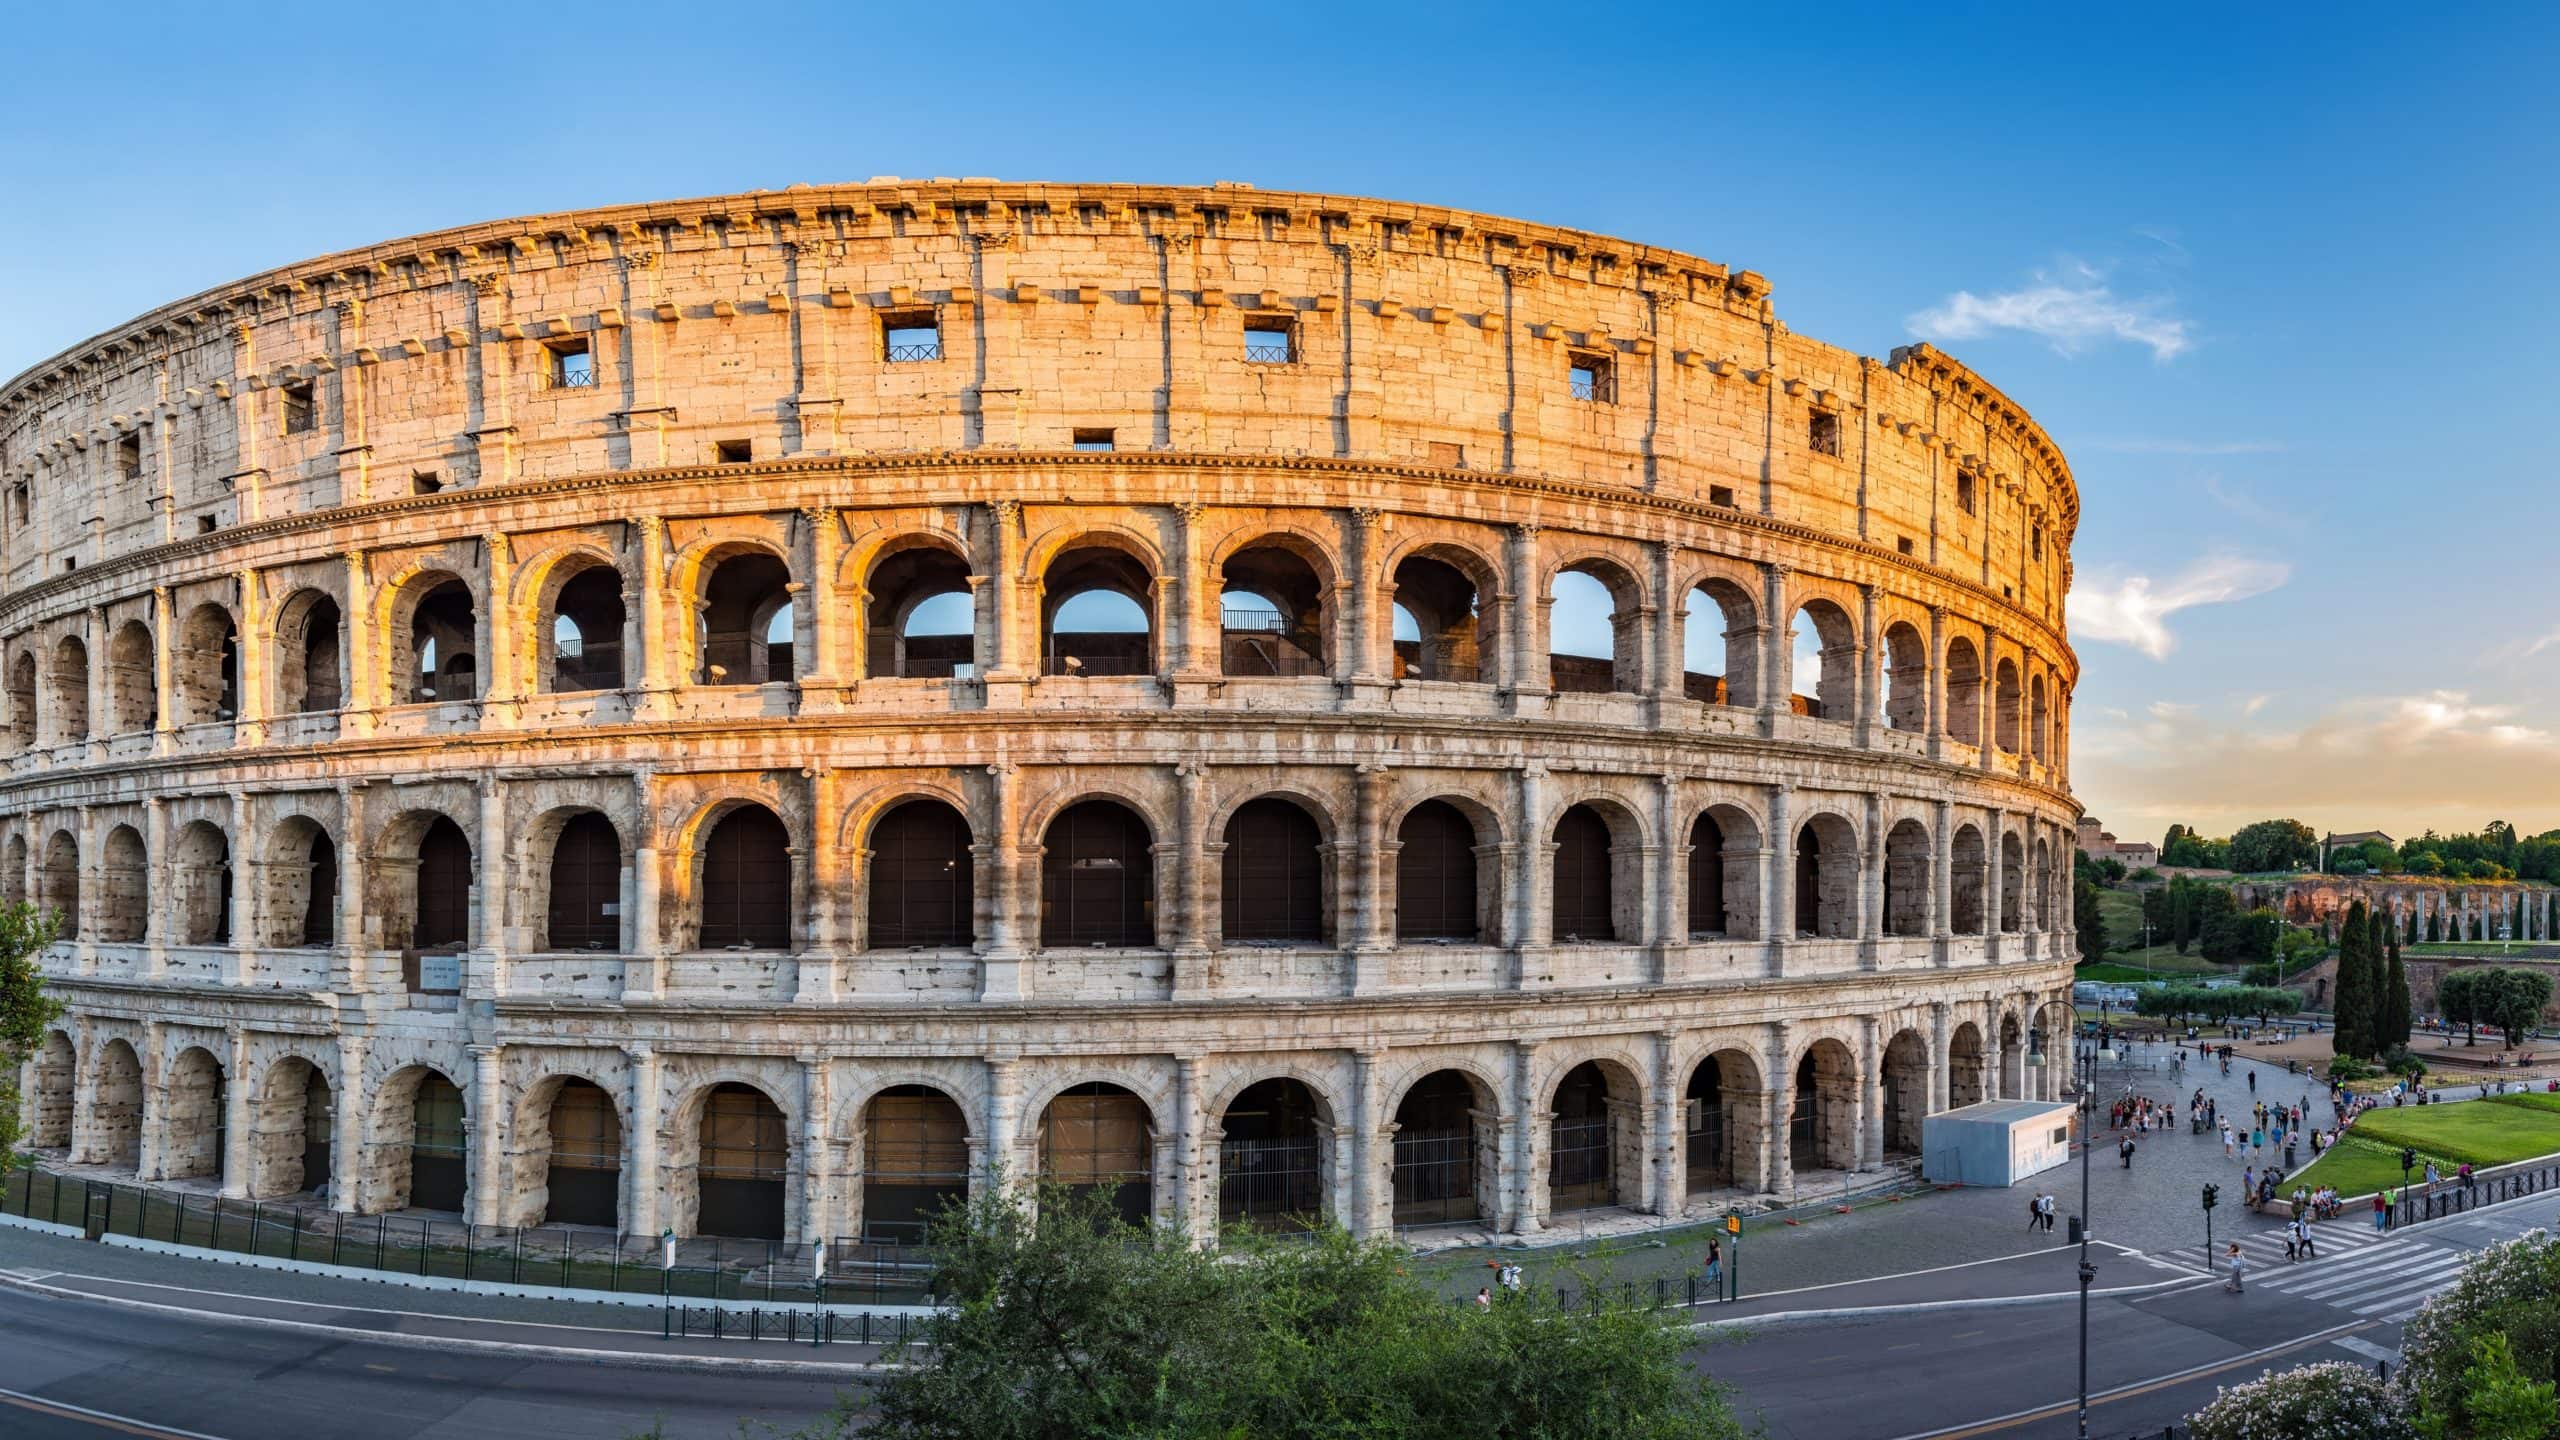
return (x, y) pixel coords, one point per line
(748, 715)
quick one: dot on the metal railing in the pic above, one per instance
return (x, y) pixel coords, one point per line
(914, 354)
(1271, 349)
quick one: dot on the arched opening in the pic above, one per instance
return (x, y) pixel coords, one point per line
(745, 1165)
(204, 884)
(1968, 1075)
(208, 666)
(309, 675)
(915, 1162)
(442, 639)
(1441, 629)
(2050, 880)
(1826, 878)
(1906, 678)
(923, 877)
(2036, 719)
(2013, 1059)
(58, 884)
(445, 881)
(115, 1110)
(921, 621)
(1593, 1112)
(1440, 1154)
(2013, 874)
(1822, 1128)
(1720, 1121)
(586, 885)
(582, 1174)
(193, 1122)
(70, 691)
(1906, 879)
(124, 876)
(1905, 1083)
(1096, 609)
(1964, 691)
(1583, 905)
(1270, 613)
(586, 631)
(1720, 627)
(133, 692)
(1270, 1170)
(53, 1087)
(292, 1125)
(746, 629)
(1595, 636)
(746, 882)
(1271, 877)
(1706, 877)
(22, 700)
(438, 1146)
(1097, 878)
(1825, 661)
(1100, 1137)
(2004, 686)
(1969, 871)
(301, 878)
(1436, 874)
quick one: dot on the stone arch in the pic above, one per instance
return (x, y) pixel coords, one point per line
(1448, 870)
(193, 1120)
(1826, 877)
(1720, 643)
(1445, 595)
(1821, 632)
(1906, 678)
(1725, 866)
(1724, 1122)
(915, 1160)
(1097, 876)
(2048, 887)
(1447, 1147)
(206, 666)
(2004, 694)
(1908, 881)
(300, 874)
(1964, 691)
(582, 622)
(1585, 598)
(110, 1131)
(2013, 868)
(1822, 1124)
(1595, 1142)
(1273, 615)
(1100, 1136)
(919, 619)
(53, 1087)
(424, 884)
(1968, 1070)
(70, 697)
(1098, 613)
(311, 672)
(433, 639)
(133, 688)
(2013, 1056)
(1275, 1154)
(22, 700)
(742, 872)
(2038, 718)
(417, 1146)
(568, 1144)
(201, 867)
(747, 598)
(1597, 871)
(1904, 1083)
(1274, 885)
(921, 875)
(124, 882)
(576, 871)
(293, 1128)
(58, 883)
(732, 1154)
(1969, 877)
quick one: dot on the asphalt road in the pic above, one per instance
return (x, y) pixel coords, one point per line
(242, 1382)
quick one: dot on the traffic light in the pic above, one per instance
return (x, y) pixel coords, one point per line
(2408, 1161)
(2212, 1193)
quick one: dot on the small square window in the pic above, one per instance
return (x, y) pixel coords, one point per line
(425, 482)
(1448, 456)
(1095, 440)
(206, 524)
(735, 452)
(1270, 340)
(1964, 491)
(1903, 544)
(573, 365)
(1824, 435)
(1720, 495)
(301, 414)
(910, 337)
(70, 563)
(129, 457)
(1592, 378)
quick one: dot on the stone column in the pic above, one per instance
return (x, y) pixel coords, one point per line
(1777, 634)
(1942, 879)
(249, 663)
(1667, 667)
(1373, 869)
(1368, 630)
(1670, 1179)
(817, 1156)
(821, 960)
(1992, 1066)
(158, 915)
(359, 687)
(1370, 1149)
(1778, 1172)
(102, 719)
(1870, 1095)
(1670, 877)
(1870, 922)
(345, 970)
(1001, 966)
(1939, 1063)
(1937, 682)
(1532, 928)
(502, 689)
(1870, 663)
(488, 1134)
(1531, 1117)
(244, 900)
(641, 1147)
(1195, 1157)
(238, 1118)
(825, 611)
(1988, 708)
(1994, 882)
(1193, 881)
(1004, 1158)
(659, 652)
(1197, 638)
(647, 948)
(1528, 678)
(348, 1102)
(486, 977)
(164, 678)
(1778, 911)
(1011, 656)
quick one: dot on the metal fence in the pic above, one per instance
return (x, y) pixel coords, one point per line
(551, 1256)
(2455, 1197)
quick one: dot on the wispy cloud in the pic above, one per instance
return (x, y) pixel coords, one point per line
(2254, 704)
(2135, 611)
(2151, 446)
(2072, 312)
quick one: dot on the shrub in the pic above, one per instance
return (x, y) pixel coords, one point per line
(2315, 1402)
(2348, 1067)
(2506, 1289)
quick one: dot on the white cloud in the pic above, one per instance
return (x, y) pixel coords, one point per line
(2254, 704)
(2133, 612)
(2073, 313)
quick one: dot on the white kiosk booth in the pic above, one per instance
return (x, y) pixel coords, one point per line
(1998, 1142)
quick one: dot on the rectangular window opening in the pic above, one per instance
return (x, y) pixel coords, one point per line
(206, 524)
(1720, 495)
(1964, 491)
(425, 482)
(1824, 435)
(910, 337)
(301, 413)
(1593, 378)
(573, 365)
(1903, 544)
(18, 503)
(1448, 456)
(129, 457)
(1270, 340)
(1095, 440)
(70, 563)
(734, 452)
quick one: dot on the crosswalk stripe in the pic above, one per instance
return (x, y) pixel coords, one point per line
(2369, 1287)
(2327, 1279)
(2389, 1296)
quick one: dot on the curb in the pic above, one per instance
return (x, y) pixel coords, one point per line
(1989, 1302)
(615, 1359)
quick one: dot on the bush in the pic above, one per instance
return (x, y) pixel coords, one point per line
(2507, 1289)
(2348, 1067)
(2401, 1062)
(2315, 1402)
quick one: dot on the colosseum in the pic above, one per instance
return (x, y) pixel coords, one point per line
(757, 715)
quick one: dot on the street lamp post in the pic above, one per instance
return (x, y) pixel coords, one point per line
(2088, 1272)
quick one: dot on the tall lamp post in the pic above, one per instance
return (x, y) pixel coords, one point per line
(2088, 1272)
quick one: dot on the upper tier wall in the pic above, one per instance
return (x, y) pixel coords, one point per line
(1419, 337)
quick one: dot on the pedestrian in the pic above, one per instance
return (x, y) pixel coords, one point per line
(2239, 1265)
(2434, 1178)
(2126, 1150)
(1715, 1267)
(2050, 1206)
(2302, 1233)
(2288, 1153)
(1484, 1298)
(2468, 1184)
(2253, 1082)
(2035, 1211)
(2292, 1243)
(2248, 1181)
(2226, 1141)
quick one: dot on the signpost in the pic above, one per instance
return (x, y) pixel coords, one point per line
(1733, 1228)
(667, 1284)
(818, 1290)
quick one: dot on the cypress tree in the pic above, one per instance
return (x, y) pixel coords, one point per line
(2413, 925)
(2355, 999)
(2395, 1001)
(2435, 926)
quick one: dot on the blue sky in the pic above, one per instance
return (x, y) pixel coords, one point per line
(2280, 282)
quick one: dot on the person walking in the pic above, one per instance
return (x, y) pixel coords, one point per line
(2125, 1150)
(2302, 1235)
(1715, 1267)
(2226, 1140)
(2253, 1082)
(2288, 1152)
(2238, 1264)
(2035, 1212)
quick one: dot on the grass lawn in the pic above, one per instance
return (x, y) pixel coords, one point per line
(2358, 1167)
(2530, 1100)
(2484, 1132)
(2477, 947)
(2121, 911)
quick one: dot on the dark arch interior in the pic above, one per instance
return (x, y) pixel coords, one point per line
(1435, 1143)
(1268, 1170)
(1709, 1143)
(586, 885)
(1270, 614)
(586, 634)
(1581, 905)
(1270, 884)
(1097, 878)
(1706, 877)
(915, 1159)
(740, 602)
(923, 878)
(746, 882)
(1100, 1137)
(444, 887)
(586, 1157)
(320, 908)
(322, 687)
(441, 634)
(746, 1160)
(1074, 641)
(437, 1145)
(1582, 1158)
(1436, 874)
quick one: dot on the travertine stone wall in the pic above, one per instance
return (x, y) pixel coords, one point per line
(287, 566)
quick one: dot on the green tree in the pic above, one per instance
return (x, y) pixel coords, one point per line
(2085, 919)
(25, 1011)
(1065, 1321)
(2275, 845)
(2395, 999)
(2458, 1001)
(2155, 910)
(2354, 1003)
(2170, 841)
(2413, 925)
(2435, 925)
(2512, 999)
